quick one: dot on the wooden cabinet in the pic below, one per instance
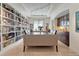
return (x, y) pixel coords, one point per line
(64, 37)
(63, 25)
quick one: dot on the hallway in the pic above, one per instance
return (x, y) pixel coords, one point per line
(17, 50)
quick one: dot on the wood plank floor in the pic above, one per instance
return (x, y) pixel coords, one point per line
(17, 50)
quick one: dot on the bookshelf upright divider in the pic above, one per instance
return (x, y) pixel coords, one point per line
(12, 25)
(1, 27)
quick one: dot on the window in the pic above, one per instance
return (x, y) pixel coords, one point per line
(37, 23)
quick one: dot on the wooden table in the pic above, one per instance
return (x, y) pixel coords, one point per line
(40, 40)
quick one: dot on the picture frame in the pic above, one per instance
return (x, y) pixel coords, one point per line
(77, 21)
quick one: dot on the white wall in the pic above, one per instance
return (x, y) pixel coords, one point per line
(59, 9)
(74, 36)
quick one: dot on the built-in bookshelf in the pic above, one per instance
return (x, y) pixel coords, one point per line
(0, 26)
(12, 25)
(63, 22)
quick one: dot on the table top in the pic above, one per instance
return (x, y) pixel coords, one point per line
(40, 33)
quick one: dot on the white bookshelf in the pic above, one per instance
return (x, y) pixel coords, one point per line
(12, 25)
(0, 26)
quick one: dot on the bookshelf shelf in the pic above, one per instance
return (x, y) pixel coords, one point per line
(11, 25)
(7, 18)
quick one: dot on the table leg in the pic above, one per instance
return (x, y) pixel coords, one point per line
(24, 48)
(56, 48)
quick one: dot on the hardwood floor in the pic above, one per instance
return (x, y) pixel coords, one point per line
(17, 50)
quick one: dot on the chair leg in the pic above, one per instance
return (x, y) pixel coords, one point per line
(56, 48)
(24, 48)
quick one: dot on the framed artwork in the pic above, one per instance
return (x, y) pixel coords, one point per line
(77, 21)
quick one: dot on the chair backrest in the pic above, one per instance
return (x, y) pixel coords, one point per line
(55, 32)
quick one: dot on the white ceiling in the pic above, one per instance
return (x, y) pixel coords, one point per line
(34, 6)
(62, 13)
(28, 9)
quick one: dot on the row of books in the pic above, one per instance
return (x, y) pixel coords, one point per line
(18, 28)
(8, 36)
(7, 7)
(6, 29)
(8, 42)
(7, 14)
(10, 22)
(7, 22)
(11, 17)
(18, 33)
(11, 13)
(18, 19)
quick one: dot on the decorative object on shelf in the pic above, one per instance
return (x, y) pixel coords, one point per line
(40, 28)
(31, 28)
(5, 37)
(47, 28)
